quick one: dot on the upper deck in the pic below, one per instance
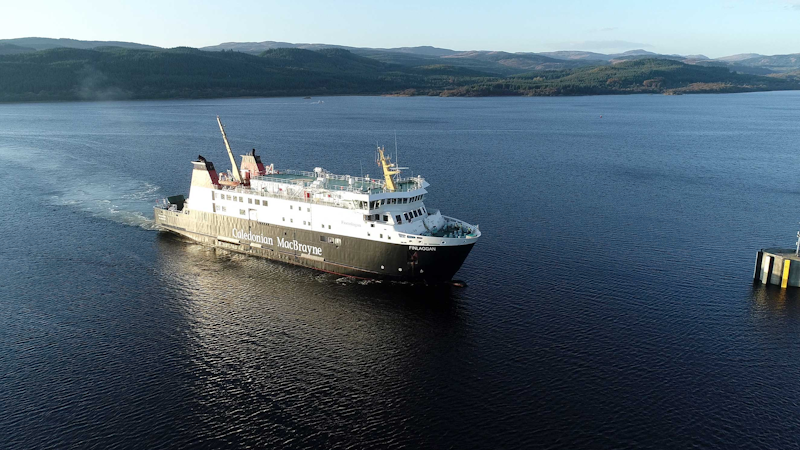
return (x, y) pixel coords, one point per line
(345, 183)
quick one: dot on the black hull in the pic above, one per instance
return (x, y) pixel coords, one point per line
(353, 257)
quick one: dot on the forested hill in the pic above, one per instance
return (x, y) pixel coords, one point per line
(113, 73)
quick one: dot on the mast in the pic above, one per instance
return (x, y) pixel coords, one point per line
(236, 173)
(389, 170)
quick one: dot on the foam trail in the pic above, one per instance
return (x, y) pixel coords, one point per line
(121, 199)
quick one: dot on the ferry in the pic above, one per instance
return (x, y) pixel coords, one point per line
(353, 226)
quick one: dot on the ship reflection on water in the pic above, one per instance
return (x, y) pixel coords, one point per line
(295, 348)
(776, 302)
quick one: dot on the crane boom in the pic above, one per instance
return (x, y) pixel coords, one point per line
(236, 173)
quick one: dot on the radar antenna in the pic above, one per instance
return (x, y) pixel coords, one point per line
(236, 173)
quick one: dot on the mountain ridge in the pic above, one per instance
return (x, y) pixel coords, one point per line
(115, 73)
(488, 61)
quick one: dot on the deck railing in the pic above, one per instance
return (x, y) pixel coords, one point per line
(354, 184)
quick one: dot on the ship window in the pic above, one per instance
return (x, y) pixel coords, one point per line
(283, 219)
(338, 242)
(372, 225)
(397, 219)
(258, 202)
(308, 209)
(406, 216)
(291, 207)
(420, 211)
(381, 235)
(329, 227)
(323, 226)
(385, 218)
(250, 200)
(241, 199)
(264, 203)
(222, 208)
(414, 213)
(226, 197)
(330, 240)
(323, 239)
(242, 212)
(212, 195)
(291, 220)
(388, 237)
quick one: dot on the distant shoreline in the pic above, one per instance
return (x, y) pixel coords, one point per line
(397, 95)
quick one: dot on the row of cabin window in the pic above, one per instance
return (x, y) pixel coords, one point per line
(240, 199)
(394, 201)
(411, 215)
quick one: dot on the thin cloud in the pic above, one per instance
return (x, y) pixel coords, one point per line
(603, 30)
(599, 45)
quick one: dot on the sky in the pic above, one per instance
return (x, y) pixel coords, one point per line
(714, 28)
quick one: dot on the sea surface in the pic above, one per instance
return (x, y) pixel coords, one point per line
(609, 303)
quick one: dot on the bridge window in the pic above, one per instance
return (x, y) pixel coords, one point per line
(241, 199)
(258, 202)
(249, 200)
(242, 212)
(397, 219)
(385, 218)
(406, 216)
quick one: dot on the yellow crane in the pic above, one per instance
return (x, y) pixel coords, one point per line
(389, 170)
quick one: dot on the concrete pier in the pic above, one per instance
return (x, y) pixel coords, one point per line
(778, 266)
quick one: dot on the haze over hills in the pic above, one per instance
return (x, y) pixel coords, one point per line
(497, 63)
(101, 70)
(39, 43)
(505, 63)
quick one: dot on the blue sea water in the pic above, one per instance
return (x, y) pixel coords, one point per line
(609, 303)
